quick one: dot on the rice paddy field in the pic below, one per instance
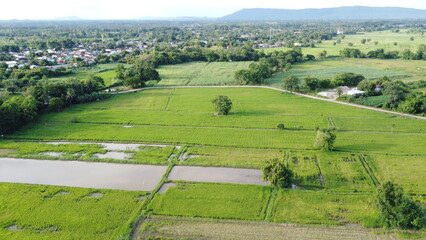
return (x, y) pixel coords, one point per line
(178, 126)
(105, 71)
(404, 70)
(384, 39)
(212, 201)
(200, 73)
(50, 212)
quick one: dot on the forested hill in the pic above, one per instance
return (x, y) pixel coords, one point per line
(357, 12)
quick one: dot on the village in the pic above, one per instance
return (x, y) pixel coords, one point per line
(75, 57)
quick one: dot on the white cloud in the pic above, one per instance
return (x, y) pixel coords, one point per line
(125, 9)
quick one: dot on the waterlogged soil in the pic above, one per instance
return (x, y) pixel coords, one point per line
(217, 174)
(95, 195)
(166, 186)
(5, 151)
(13, 227)
(114, 155)
(117, 146)
(81, 174)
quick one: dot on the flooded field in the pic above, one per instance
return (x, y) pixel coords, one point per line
(217, 174)
(117, 146)
(81, 174)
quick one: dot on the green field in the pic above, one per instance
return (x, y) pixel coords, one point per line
(405, 170)
(385, 40)
(333, 188)
(405, 70)
(185, 116)
(83, 152)
(105, 71)
(49, 212)
(212, 201)
(327, 208)
(200, 73)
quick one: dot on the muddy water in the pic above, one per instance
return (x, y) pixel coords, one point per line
(116, 146)
(217, 174)
(81, 174)
(114, 155)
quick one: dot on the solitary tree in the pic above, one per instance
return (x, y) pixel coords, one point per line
(277, 173)
(396, 210)
(222, 104)
(324, 140)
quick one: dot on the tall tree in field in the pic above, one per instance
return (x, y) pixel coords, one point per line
(324, 140)
(222, 105)
(277, 173)
(396, 210)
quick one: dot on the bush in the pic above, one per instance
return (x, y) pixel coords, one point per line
(56, 104)
(91, 97)
(222, 105)
(280, 126)
(347, 79)
(277, 173)
(74, 120)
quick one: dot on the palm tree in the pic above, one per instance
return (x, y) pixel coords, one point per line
(70, 95)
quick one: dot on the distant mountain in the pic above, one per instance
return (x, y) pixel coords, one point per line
(339, 13)
(177, 19)
(69, 18)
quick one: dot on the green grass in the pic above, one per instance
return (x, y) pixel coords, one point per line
(82, 152)
(105, 71)
(344, 172)
(385, 40)
(185, 116)
(405, 170)
(405, 70)
(328, 73)
(200, 73)
(365, 149)
(108, 77)
(373, 101)
(230, 201)
(43, 213)
(321, 207)
(397, 124)
(230, 156)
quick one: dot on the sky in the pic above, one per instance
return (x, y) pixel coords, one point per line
(134, 9)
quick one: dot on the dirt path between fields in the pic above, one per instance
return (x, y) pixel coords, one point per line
(282, 90)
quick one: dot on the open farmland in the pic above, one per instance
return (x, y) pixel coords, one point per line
(105, 71)
(50, 212)
(404, 70)
(200, 73)
(213, 200)
(385, 40)
(177, 126)
(178, 228)
(153, 116)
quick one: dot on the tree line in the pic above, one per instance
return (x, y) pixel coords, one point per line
(17, 110)
(407, 54)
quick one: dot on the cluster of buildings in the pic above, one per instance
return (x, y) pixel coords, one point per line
(62, 58)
